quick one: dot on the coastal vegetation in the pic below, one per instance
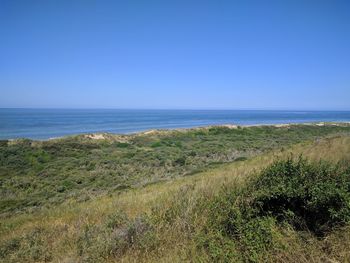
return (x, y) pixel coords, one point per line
(216, 194)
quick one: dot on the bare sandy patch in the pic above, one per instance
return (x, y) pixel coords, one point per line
(95, 136)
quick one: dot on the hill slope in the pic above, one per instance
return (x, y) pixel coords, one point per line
(35, 174)
(189, 218)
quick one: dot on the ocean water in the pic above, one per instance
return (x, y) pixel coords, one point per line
(51, 123)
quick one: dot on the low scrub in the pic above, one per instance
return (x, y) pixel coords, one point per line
(112, 239)
(293, 210)
(36, 174)
(247, 224)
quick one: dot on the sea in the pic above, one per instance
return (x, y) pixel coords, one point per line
(44, 124)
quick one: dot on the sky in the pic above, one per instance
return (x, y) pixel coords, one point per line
(175, 54)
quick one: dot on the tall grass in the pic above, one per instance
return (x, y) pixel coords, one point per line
(182, 220)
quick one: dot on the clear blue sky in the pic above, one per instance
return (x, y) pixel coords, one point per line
(175, 54)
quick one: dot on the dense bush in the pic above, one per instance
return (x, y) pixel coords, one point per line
(314, 197)
(244, 223)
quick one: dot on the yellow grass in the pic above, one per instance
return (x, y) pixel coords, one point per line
(65, 222)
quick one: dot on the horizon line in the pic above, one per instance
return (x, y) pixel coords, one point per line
(171, 109)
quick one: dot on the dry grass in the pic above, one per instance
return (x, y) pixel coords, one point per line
(64, 224)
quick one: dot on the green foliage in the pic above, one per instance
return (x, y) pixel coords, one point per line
(312, 197)
(291, 204)
(122, 145)
(156, 144)
(36, 174)
(219, 248)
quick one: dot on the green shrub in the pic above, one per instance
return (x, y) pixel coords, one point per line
(218, 247)
(122, 144)
(312, 197)
(156, 144)
(309, 196)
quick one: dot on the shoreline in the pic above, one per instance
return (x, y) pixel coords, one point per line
(104, 135)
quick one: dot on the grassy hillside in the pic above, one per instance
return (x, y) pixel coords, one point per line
(253, 201)
(34, 174)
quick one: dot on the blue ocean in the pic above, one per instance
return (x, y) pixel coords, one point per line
(52, 123)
